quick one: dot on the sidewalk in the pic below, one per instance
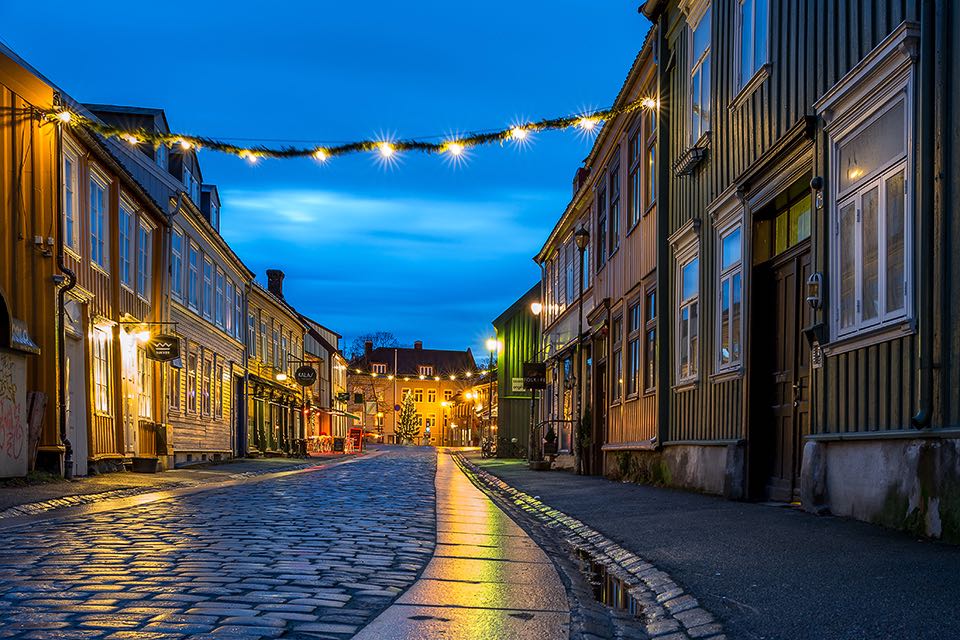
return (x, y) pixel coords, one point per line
(21, 497)
(767, 572)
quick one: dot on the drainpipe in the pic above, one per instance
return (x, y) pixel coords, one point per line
(929, 184)
(61, 338)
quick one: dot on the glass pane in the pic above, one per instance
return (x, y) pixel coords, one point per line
(651, 305)
(694, 338)
(705, 97)
(730, 250)
(870, 285)
(800, 221)
(760, 33)
(725, 321)
(735, 319)
(895, 242)
(684, 334)
(689, 278)
(872, 148)
(746, 41)
(695, 106)
(701, 36)
(848, 266)
(782, 233)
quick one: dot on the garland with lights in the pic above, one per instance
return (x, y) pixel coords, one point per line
(455, 147)
(479, 373)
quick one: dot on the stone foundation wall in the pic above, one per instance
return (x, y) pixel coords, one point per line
(706, 469)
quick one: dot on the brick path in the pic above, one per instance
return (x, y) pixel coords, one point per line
(318, 554)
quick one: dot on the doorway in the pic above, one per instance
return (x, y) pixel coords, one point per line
(599, 416)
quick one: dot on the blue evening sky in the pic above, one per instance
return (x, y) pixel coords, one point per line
(423, 249)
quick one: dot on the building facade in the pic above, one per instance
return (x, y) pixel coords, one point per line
(378, 381)
(327, 416)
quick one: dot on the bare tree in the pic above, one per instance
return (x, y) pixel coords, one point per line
(378, 338)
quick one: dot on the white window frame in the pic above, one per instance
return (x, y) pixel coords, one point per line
(126, 223)
(144, 259)
(99, 226)
(252, 335)
(757, 65)
(425, 370)
(145, 383)
(877, 84)
(102, 339)
(728, 217)
(698, 66)
(71, 193)
(237, 312)
(193, 276)
(176, 263)
(208, 287)
(686, 246)
(219, 309)
(378, 367)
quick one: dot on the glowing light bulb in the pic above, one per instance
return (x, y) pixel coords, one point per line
(64, 117)
(386, 150)
(456, 149)
(390, 377)
(519, 133)
(587, 124)
(249, 156)
(320, 155)
(536, 308)
(453, 377)
(649, 103)
(423, 377)
(437, 378)
(184, 144)
(281, 377)
(132, 139)
(142, 336)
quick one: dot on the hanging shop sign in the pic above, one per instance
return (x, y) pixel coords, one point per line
(163, 348)
(305, 376)
(534, 375)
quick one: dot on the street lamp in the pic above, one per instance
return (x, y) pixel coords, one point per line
(582, 238)
(536, 308)
(492, 346)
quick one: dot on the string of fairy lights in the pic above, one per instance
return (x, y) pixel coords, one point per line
(453, 377)
(455, 147)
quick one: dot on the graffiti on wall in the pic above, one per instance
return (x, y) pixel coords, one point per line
(13, 445)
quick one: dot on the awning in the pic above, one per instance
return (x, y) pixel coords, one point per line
(338, 412)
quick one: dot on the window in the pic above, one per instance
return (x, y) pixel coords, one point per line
(218, 390)
(571, 273)
(252, 335)
(729, 318)
(404, 393)
(585, 264)
(650, 342)
(144, 261)
(98, 221)
(871, 224)
(753, 37)
(429, 423)
(101, 371)
(379, 367)
(125, 230)
(688, 320)
(425, 370)
(601, 227)
(193, 282)
(176, 263)
(208, 288)
(237, 313)
(636, 176)
(145, 380)
(228, 308)
(71, 225)
(219, 306)
(263, 341)
(192, 382)
(191, 185)
(447, 395)
(276, 349)
(214, 215)
(613, 176)
(616, 338)
(650, 161)
(418, 395)
(431, 395)
(161, 154)
(206, 382)
(174, 388)
(284, 353)
(700, 78)
(635, 328)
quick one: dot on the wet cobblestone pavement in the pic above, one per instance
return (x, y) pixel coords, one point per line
(317, 554)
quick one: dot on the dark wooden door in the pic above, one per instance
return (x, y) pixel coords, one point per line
(789, 373)
(599, 415)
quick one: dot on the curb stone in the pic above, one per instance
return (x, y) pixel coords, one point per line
(666, 610)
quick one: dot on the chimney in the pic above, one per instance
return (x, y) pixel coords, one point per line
(368, 347)
(418, 344)
(275, 282)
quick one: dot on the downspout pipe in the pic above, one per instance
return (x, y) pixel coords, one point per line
(61, 339)
(928, 182)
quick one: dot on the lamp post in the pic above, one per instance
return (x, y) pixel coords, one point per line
(492, 347)
(582, 238)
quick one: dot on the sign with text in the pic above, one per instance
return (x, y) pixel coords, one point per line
(305, 376)
(516, 384)
(163, 348)
(534, 375)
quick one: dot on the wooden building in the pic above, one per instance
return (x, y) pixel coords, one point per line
(275, 347)
(382, 377)
(806, 268)
(518, 335)
(326, 416)
(206, 287)
(615, 203)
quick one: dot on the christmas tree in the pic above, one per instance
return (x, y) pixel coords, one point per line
(407, 426)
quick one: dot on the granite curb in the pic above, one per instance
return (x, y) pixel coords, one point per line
(665, 609)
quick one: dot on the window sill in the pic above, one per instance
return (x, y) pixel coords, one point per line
(72, 252)
(869, 338)
(686, 385)
(748, 89)
(99, 268)
(727, 374)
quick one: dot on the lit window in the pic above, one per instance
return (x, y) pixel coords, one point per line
(98, 221)
(206, 382)
(425, 370)
(753, 37)
(174, 388)
(379, 367)
(418, 395)
(125, 230)
(729, 318)
(431, 395)
(145, 379)
(144, 261)
(101, 371)
(218, 390)
(700, 78)
(192, 382)
(688, 320)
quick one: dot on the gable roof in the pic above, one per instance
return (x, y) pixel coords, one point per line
(409, 359)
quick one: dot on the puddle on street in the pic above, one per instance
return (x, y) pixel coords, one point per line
(608, 589)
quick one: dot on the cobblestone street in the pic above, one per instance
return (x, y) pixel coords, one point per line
(317, 554)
